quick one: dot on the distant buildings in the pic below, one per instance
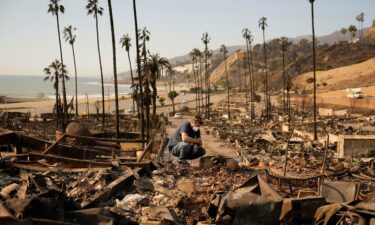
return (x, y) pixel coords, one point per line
(187, 68)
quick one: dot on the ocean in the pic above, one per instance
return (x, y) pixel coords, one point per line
(20, 86)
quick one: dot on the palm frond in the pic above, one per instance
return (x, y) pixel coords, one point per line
(62, 9)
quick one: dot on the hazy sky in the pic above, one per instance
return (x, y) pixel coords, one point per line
(28, 38)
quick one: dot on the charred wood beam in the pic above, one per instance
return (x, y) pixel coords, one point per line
(95, 149)
(34, 143)
(117, 185)
(42, 168)
(51, 147)
(82, 161)
(105, 144)
(148, 146)
(68, 160)
(108, 139)
(128, 158)
(363, 176)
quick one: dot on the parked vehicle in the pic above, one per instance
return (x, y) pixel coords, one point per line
(355, 93)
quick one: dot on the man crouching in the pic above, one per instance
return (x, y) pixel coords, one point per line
(186, 143)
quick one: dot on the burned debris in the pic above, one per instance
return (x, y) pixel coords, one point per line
(279, 176)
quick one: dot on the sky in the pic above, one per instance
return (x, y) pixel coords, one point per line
(29, 41)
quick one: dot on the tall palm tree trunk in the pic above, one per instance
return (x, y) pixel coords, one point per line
(132, 78)
(147, 89)
(246, 87)
(196, 74)
(314, 69)
(65, 117)
(253, 84)
(57, 100)
(226, 74)
(208, 89)
(101, 71)
(114, 70)
(154, 94)
(288, 103)
(196, 89)
(206, 81)
(267, 99)
(284, 82)
(201, 85)
(75, 78)
(250, 78)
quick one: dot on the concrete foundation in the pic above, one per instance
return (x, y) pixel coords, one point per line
(310, 135)
(351, 145)
(331, 112)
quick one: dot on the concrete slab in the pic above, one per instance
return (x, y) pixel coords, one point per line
(351, 145)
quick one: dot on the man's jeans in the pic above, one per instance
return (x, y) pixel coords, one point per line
(185, 151)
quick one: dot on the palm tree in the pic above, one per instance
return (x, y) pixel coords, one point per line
(94, 9)
(343, 31)
(125, 42)
(193, 57)
(360, 18)
(155, 62)
(206, 39)
(224, 50)
(314, 67)
(199, 56)
(140, 78)
(249, 64)
(284, 44)
(246, 35)
(114, 70)
(252, 79)
(54, 7)
(263, 24)
(353, 30)
(54, 72)
(145, 37)
(70, 37)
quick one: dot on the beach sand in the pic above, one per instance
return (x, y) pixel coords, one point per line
(37, 106)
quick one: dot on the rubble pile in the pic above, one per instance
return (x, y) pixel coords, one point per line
(43, 126)
(293, 156)
(278, 177)
(173, 194)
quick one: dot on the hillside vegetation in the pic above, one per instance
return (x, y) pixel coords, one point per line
(299, 63)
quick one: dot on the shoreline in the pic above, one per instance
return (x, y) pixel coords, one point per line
(12, 100)
(36, 106)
